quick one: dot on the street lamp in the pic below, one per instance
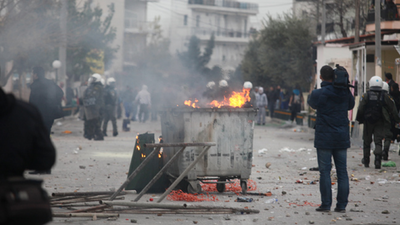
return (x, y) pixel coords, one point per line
(56, 65)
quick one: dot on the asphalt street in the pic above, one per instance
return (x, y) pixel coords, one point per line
(84, 165)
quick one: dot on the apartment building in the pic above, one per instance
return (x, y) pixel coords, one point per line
(130, 21)
(228, 20)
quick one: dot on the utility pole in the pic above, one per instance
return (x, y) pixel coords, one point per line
(62, 51)
(378, 54)
(357, 28)
(323, 23)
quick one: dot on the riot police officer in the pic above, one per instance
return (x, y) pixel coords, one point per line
(93, 101)
(375, 111)
(110, 109)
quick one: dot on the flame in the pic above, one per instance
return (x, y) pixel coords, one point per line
(143, 155)
(138, 147)
(237, 99)
(192, 104)
(159, 156)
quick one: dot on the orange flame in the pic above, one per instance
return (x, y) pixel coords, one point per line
(192, 104)
(237, 99)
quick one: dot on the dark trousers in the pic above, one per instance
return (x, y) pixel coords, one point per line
(93, 128)
(295, 108)
(48, 123)
(378, 131)
(143, 112)
(110, 115)
(271, 107)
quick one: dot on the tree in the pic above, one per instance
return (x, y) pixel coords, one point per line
(196, 61)
(28, 34)
(89, 39)
(340, 15)
(281, 55)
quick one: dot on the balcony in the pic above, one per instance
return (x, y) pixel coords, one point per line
(133, 26)
(204, 34)
(224, 6)
(389, 20)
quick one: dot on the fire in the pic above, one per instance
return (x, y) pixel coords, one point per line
(237, 99)
(192, 104)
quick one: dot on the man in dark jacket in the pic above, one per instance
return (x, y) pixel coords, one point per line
(272, 96)
(24, 140)
(332, 138)
(46, 96)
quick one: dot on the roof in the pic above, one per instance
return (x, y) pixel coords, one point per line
(347, 40)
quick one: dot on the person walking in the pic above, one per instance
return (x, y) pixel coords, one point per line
(295, 103)
(332, 138)
(144, 99)
(375, 111)
(110, 101)
(46, 96)
(272, 97)
(93, 101)
(262, 102)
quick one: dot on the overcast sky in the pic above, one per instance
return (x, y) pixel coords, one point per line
(163, 9)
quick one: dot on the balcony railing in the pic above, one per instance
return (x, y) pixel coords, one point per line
(386, 15)
(219, 33)
(134, 25)
(226, 4)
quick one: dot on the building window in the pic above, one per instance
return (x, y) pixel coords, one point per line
(198, 21)
(185, 20)
(131, 20)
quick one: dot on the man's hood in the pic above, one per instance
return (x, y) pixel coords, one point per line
(7, 102)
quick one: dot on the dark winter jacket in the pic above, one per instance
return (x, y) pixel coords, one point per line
(110, 96)
(46, 96)
(24, 140)
(93, 100)
(332, 127)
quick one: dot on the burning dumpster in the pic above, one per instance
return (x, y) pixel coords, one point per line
(232, 130)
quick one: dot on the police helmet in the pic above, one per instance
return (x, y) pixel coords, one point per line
(247, 85)
(211, 84)
(375, 81)
(223, 83)
(96, 78)
(385, 87)
(110, 80)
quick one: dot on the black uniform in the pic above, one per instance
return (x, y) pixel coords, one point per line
(24, 140)
(46, 96)
(93, 100)
(110, 101)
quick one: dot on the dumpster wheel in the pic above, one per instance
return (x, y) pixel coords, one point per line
(221, 188)
(243, 185)
(221, 185)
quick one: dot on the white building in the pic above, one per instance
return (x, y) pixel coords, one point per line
(227, 19)
(130, 21)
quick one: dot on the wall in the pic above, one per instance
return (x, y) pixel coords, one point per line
(333, 53)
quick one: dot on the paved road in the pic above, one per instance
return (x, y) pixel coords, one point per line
(290, 154)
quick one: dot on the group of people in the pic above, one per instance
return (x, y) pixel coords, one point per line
(378, 111)
(276, 98)
(100, 105)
